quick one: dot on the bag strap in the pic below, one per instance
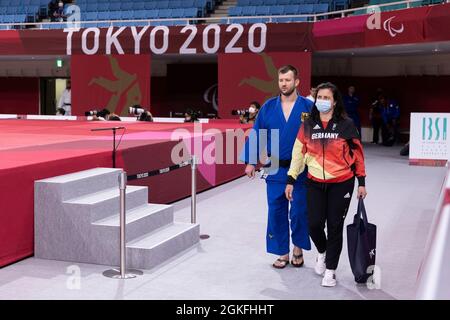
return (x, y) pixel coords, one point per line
(362, 211)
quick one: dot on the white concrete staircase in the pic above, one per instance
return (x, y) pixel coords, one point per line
(222, 10)
(77, 219)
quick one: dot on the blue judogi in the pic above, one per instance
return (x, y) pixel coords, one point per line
(271, 117)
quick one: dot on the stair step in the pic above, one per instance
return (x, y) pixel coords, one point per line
(133, 215)
(106, 203)
(162, 244)
(82, 183)
(139, 221)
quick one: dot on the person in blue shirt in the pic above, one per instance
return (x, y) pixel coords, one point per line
(351, 103)
(390, 113)
(274, 132)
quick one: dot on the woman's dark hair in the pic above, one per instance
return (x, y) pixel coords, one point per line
(339, 109)
(256, 104)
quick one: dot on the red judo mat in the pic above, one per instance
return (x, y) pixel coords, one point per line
(37, 149)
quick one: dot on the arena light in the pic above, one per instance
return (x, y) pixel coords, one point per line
(59, 63)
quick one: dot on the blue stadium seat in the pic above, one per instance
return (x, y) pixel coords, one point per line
(187, 4)
(165, 13)
(152, 14)
(175, 4)
(235, 11)
(115, 6)
(276, 10)
(283, 2)
(190, 12)
(270, 2)
(150, 5)
(262, 11)
(177, 13)
(91, 16)
(92, 6)
(291, 9)
(256, 3)
(115, 15)
(104, 15)
(248, 11)
(11, 10)
(127, 6)
(128, 15)
(305, 8)
(244, 3)
(321, 8)
(162, 5)
(138, 5)
(103, 6)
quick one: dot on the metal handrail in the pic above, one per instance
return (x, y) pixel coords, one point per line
(433, 281)
(187, 20)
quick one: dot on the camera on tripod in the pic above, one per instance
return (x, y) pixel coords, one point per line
(98, 113)
(136, 110)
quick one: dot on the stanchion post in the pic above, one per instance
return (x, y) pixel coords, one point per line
(123, 273)
(193, 189)
(123, 189)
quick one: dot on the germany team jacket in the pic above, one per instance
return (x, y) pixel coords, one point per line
(332, 154)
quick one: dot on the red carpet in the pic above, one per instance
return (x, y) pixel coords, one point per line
(32, 150)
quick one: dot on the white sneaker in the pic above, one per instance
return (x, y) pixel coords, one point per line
(320, 264)
(329, 278)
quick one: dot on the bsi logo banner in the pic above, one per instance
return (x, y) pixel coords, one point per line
(434, 128)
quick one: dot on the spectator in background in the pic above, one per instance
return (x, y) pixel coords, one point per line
(58, 13)
(390, 111)
(65, 101)
(351, 103)
(312, 94)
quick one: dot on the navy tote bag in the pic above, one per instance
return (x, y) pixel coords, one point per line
(361, 242)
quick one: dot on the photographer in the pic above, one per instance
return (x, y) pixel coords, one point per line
(141, 113)
(191, 115)
(250, 115)
(101, 115)
(146, 116)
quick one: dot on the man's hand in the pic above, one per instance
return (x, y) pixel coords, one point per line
(288, 191)
(250, 171)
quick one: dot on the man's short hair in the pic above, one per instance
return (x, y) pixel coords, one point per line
(285, 69)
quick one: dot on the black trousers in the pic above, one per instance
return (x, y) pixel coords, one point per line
(377, 125)
(328, 204)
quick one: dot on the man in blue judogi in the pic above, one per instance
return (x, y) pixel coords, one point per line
(275, 131)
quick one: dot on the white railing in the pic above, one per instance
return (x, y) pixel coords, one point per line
(433, 280)
(270, 18)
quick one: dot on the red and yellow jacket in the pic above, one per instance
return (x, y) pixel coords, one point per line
(332, 154)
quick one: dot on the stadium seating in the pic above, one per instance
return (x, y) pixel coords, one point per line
(20, 11)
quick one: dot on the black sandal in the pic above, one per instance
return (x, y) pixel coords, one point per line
(285, 263)
(296, 257)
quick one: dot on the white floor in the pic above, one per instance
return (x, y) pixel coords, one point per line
(233, 264)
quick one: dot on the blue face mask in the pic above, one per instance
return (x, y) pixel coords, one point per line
(323, 106)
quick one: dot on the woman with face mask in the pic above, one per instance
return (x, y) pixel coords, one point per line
(328, 144)
(250, 116)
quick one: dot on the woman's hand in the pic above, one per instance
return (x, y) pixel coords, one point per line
(288, 191)
(362, 193)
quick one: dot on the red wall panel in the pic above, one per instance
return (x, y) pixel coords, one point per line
(248, 77)
(113, 82)
(19, 95)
